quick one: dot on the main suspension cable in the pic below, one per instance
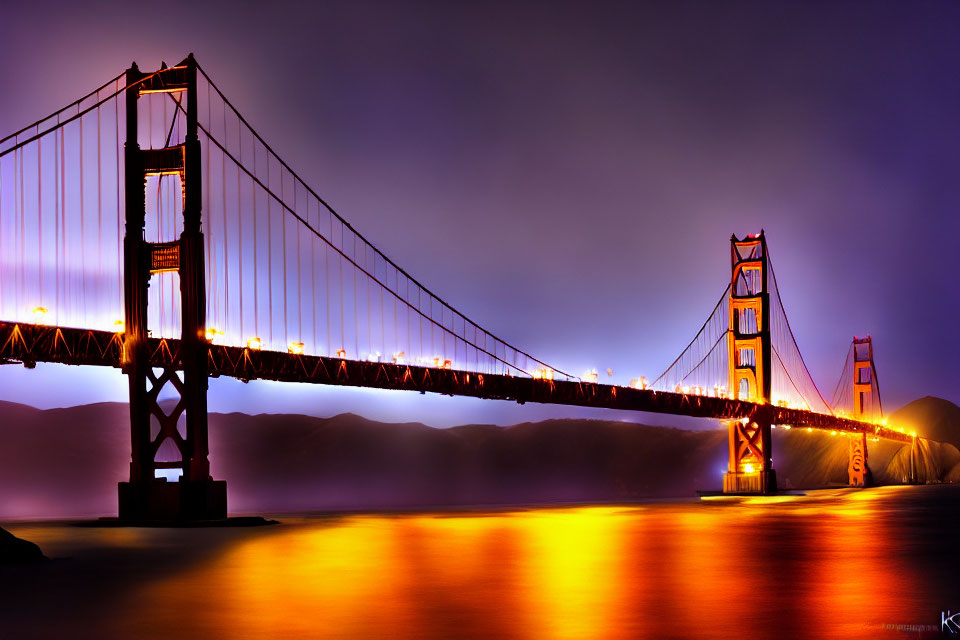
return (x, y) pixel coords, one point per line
(343, 221)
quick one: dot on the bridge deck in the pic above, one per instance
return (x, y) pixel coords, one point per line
(29, 344)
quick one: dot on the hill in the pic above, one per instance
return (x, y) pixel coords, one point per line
(66, 462)
(931, 417)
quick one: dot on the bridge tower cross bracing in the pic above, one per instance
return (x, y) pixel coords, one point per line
(148, 495)
(864, 398)
(750, 465)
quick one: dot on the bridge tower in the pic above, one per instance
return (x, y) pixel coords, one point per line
(866, 405)
(750, 466)
(149, 495)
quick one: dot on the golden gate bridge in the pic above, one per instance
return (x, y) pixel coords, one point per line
(148, 226)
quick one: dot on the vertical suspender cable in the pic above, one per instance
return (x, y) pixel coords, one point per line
(56, 224)
(383, 329)
(299, 280)
(120, 226)
(313, 282)
(208, 231)
(340, 259)
(83, 238)
(23, 237)
(226, 234)
(63, 286)
(369, 286)
(240, 225)
(99, 200)
(326, 279)
(356, 317)
(2, 237)
(256, 241)
(18, 177)
(40, 221)
(270, 255)
(283, 255)
(16, 222)
(396, 318)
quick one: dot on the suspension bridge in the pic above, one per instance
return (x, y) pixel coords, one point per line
(147, 226)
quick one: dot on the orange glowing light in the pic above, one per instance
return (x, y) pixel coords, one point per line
(254, 344)
(544, 373)
(296, 348)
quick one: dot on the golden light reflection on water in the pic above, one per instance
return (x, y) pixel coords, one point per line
(825, 567)
(570, 578)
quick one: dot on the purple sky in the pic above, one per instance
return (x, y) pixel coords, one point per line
(569, 176)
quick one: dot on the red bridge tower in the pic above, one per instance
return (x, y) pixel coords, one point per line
(750, 467)
(866, 405)
(149, 495)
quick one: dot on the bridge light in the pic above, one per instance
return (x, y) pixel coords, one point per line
(398, 357)
(254, 344)
(296, 348)
(685, 389)
(833, 433)
(40, 315)
(441, 363)
(544, 373)
(119, 326)
(591, 376)
(214, 335)
(744, 421)
(809, 430)
(639, 383)
(342, 354)
(748, 468)
(373, 357)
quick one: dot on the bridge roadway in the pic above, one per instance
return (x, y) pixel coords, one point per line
(31, 343)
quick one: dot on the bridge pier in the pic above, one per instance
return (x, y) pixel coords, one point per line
(858, 473)
(750, 466)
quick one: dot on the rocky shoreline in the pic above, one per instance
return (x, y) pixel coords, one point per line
(17, 550)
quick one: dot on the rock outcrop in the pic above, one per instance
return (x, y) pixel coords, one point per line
(14, 550)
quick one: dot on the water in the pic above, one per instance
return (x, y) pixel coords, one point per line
(837, 564)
